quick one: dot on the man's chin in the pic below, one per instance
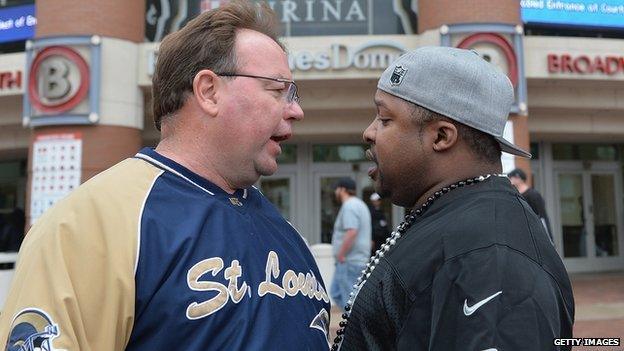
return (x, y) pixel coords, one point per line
(266, 168)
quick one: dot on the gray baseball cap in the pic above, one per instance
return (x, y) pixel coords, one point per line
(456, 83)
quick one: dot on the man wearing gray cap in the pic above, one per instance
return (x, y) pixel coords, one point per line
(470, 268)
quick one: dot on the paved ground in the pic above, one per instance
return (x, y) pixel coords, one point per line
(599, 308)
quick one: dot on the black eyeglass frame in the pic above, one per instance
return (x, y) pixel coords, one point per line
(290, 97)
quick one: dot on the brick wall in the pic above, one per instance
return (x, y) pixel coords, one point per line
(434, 13)
(121, 19)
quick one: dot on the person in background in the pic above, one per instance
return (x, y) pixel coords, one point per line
(351, 240)
(379, 223)
(519, 179)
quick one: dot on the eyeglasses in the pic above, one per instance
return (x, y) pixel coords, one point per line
(291, 88)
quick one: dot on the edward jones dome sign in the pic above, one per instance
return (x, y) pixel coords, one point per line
(372, 55)
(375, 55)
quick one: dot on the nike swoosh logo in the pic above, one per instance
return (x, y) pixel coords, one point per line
(470, 310)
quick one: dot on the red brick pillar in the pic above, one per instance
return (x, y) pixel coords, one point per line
(117, 135)
(434, 13)
(121, 19)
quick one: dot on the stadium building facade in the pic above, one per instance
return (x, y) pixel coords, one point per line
(75, 95)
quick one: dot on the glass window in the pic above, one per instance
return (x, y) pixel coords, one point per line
(12, 180)
(563, 152)
(585, 152)
(572, 215)
(598, 152)
(605, 216)
(277, 190)
(339, 153)
(288, 155)
(11, 169)
(534, 151)
(10, 174)
(329, 208)
(8, 195)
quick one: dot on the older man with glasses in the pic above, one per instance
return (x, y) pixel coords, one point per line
(174, 248)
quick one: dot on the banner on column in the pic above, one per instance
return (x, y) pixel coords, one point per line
(56, 166)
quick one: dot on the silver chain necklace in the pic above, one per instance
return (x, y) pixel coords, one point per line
(409, 219)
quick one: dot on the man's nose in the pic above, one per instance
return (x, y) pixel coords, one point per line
(295, 111)
(369, 133)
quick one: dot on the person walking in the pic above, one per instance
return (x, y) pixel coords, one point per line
(535, 200)
(351, 240)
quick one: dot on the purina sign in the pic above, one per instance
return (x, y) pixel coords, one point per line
(298, 17)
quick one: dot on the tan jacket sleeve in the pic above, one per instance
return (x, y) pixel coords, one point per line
(74, 280)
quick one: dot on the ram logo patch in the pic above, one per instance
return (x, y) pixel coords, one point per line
(32, 330)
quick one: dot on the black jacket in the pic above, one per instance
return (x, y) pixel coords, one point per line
(474, 272)
(536, 202)
(379, 225)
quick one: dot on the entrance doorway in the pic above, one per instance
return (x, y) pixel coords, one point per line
(280, 190)
(589, 213)
(302, 188)
(325, 203)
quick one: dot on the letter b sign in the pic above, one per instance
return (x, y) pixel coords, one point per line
(53, 81)
(58, 80)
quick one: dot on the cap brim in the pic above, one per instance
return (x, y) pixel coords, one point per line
(510, 148)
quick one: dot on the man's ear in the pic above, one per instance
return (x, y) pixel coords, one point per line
(205, 85)
(446, 135)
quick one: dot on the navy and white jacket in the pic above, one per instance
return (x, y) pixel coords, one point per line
(150, 256)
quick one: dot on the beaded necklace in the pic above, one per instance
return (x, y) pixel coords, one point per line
(409, 219)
